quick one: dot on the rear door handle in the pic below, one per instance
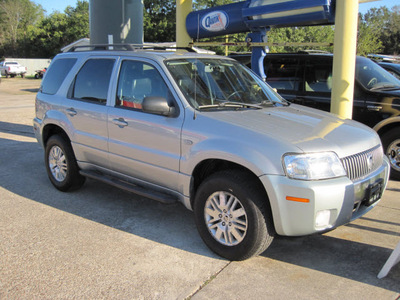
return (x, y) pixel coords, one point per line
(374, 108)
(72, 112)
(120, 122)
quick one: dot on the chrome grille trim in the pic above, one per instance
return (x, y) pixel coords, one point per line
(361, 164)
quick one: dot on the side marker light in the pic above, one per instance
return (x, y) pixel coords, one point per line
(296, 199)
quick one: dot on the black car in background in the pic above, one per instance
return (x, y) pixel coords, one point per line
(306, 78)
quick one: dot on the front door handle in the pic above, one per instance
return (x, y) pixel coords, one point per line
(374, 108)
(71, 111)
(121, 123)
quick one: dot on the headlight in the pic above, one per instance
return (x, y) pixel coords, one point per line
(313, 166)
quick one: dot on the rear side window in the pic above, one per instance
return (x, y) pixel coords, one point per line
(92, 81)
(56, 74)
(284, 73)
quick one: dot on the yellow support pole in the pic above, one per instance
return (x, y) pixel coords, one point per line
(344, 57)
(183, 8)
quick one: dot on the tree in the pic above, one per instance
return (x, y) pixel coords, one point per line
(307, 34)
(392, 45)
(57, 30)
(159, 20)
(16, 17)
(77, 21)
(203, 4)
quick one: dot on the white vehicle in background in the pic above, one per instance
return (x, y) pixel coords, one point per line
(12, 69)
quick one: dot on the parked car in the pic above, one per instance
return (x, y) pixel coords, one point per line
(207, 132)
(392, 68)
(12, 69)
(306, 79)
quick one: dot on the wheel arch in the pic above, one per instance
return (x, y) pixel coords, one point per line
(52, 129)
(208, 167)
(387, 125)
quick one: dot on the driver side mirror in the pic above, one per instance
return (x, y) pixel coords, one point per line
(159, 106)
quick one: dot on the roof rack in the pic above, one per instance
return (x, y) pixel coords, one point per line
(384, 58)
(126, 47)
(314, 51)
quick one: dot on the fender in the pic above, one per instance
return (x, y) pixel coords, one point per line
(56, 118)
(260, 163)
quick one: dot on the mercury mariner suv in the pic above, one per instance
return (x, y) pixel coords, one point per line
(205, 131)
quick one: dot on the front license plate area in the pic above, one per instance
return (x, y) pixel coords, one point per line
(373, 192)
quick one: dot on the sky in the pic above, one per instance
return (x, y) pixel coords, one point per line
(52, 5)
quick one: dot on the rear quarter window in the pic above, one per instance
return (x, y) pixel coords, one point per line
(56, 74)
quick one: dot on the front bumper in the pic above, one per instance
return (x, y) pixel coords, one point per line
(342, 199)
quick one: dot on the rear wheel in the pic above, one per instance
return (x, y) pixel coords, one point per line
(391, 146)
(61, 165)
(233, 216)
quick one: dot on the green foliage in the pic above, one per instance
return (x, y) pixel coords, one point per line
(42, 36)
(309, 34)
(392, 44)
(203, 4)
(159, 20)
(15, 17)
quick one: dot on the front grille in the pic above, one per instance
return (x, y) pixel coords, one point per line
(361, 164)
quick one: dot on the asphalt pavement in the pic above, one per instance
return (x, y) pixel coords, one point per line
(103, 243)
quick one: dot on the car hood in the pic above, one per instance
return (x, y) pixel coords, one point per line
(301, 129)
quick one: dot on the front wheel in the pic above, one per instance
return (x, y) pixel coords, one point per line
(61, 165)
(233, 216)
(391, 146)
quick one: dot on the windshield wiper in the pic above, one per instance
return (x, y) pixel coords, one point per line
(230, 104)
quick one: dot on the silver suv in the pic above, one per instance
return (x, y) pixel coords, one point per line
(207, 132)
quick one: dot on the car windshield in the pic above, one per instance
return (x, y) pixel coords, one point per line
(374, 77)
(220, 83)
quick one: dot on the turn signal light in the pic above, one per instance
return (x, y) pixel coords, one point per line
(296, 199)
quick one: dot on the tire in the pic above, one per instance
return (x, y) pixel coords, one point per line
(61, 165)
(22, 75)
(240, 227)
(391, 146)
(37, 76)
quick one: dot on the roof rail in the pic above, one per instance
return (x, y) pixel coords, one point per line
(126, 47)
(314, 51)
